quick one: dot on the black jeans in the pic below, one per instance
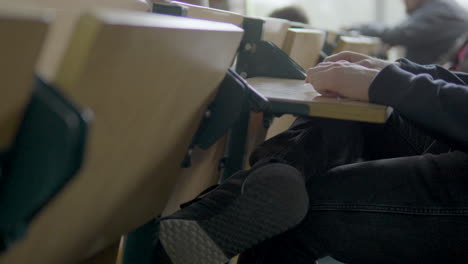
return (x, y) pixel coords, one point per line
(378, 194)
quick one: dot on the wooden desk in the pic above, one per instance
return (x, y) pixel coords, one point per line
(212, 14)
(297, 92)
(361, 44)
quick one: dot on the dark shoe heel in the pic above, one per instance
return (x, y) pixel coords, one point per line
(272, 200)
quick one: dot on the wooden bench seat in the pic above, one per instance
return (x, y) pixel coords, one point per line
(148, 96)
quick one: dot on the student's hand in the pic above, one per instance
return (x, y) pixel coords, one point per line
(360, 59)
(342, 78)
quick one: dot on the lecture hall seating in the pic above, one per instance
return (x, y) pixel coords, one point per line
(111, 62)
(120, 65)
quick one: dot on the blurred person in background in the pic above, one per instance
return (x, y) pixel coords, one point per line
(430, 30)
(291, 13)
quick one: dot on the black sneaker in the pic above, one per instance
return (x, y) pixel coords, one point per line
(247, 208)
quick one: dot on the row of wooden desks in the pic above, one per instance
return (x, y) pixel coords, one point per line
(147, 97)
(142, 83)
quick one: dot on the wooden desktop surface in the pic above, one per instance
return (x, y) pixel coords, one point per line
(297, 91)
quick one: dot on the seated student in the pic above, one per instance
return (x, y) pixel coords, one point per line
(291, 13)
(431, 29)
(359, 192)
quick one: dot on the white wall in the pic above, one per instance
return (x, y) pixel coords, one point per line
(330, 14)
(334, 14)
(464, 3)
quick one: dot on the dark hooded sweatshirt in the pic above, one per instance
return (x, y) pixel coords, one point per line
(431, 96)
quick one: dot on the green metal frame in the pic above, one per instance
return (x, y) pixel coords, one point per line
(263, 58)
(233, 96)
(253, 30)
(47, 152)
(225, 109)
(235, 154)
(282, 108)
(169, 9)
(230, 112)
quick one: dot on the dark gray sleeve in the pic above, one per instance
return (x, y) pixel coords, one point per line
(440, 107)
(436, 71)
(411, 31)
(432, 23)
(373, 30)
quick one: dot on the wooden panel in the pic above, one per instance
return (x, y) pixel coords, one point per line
(275, 30)
(364, 45)
(148, 79)
(67, 14)
(106, 256)
(296, 91)
(256, 134)
(212, 14)
(304, 46)
(202, 174)
(23, 32)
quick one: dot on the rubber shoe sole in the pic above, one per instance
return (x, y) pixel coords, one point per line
(273, 199)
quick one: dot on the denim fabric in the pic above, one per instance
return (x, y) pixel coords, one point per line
(378, 194)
